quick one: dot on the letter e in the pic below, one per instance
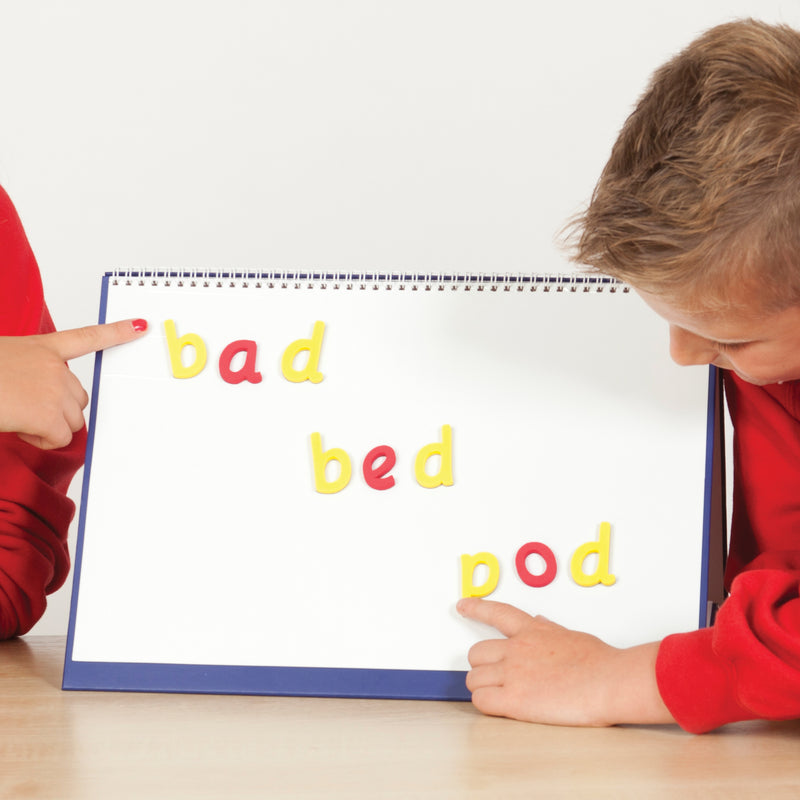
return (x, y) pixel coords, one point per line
(378, 477)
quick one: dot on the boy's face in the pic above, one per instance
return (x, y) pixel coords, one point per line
(761, 349)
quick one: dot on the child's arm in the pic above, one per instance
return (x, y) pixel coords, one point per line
(41, 404)
(35, 511)
(35, 515)
(545, 673)
(40, 399)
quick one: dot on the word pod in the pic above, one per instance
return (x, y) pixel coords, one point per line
(490, 566)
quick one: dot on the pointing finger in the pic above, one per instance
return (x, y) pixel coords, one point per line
(81, 341)
(507, 619)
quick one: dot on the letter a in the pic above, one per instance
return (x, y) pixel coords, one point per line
(248, 371)
(321, 459)
(468, 565)
(444, 477)
(310, 372)
(175, 344)
(602, 548)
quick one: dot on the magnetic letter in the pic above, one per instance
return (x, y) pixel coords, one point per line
(378, 477)
(175, 344)
(468, 565)
(539, 549)
(321, 459)
(444, 477)
(602, 547)
(248, 372)
(310, 372)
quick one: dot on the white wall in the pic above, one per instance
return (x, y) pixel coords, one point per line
(427, 134)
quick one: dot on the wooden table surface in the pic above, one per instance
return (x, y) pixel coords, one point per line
(64, 745)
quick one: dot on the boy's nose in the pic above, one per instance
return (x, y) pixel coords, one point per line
(687, 348)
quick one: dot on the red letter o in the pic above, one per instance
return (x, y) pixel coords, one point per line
(539, 549)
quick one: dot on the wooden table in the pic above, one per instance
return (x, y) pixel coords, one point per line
(64, 745)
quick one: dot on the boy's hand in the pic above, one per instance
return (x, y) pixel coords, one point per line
(40, 399)
(545, 673)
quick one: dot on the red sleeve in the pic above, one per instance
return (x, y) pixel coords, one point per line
(748, 665)
(34, 511)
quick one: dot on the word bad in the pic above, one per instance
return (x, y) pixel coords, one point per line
(378, 464)
(601, 548)
(247, 372)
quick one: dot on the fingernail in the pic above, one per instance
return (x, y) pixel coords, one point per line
(139, 325)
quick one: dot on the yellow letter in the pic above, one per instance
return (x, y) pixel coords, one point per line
(468, 565)
(444, 449)
(321, 459)
(602, 548)
(311, 370)
(176, 345)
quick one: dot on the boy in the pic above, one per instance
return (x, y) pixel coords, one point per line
(698, 209)
(41, 405)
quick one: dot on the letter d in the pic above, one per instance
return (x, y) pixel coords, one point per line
(310, 372)
(602, 547)
(444, 477)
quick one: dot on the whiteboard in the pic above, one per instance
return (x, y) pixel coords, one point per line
(209, 558)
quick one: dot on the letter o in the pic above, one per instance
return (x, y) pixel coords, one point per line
(527, 577)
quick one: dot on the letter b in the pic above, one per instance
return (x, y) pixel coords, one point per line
(176, 344)
(321, 460)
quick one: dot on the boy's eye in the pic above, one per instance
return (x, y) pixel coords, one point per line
(728, 346)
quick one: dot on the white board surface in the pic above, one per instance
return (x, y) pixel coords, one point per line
(205, 541)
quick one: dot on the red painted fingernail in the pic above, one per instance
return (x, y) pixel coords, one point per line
(139, 325)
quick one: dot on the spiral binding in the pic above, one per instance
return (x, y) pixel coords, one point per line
(374, 281)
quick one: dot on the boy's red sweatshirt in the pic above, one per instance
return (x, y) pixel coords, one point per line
(747, 666)
(34, 511)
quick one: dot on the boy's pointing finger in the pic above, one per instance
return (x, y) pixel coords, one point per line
(507, 619)
(82, 341)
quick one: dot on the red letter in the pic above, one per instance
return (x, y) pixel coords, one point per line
(378, 477)
(537, 581)
(248, 371)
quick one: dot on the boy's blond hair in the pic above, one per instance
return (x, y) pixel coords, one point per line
(700, 199)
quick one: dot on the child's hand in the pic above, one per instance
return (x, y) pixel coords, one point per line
(40, 399)
(546, 673)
